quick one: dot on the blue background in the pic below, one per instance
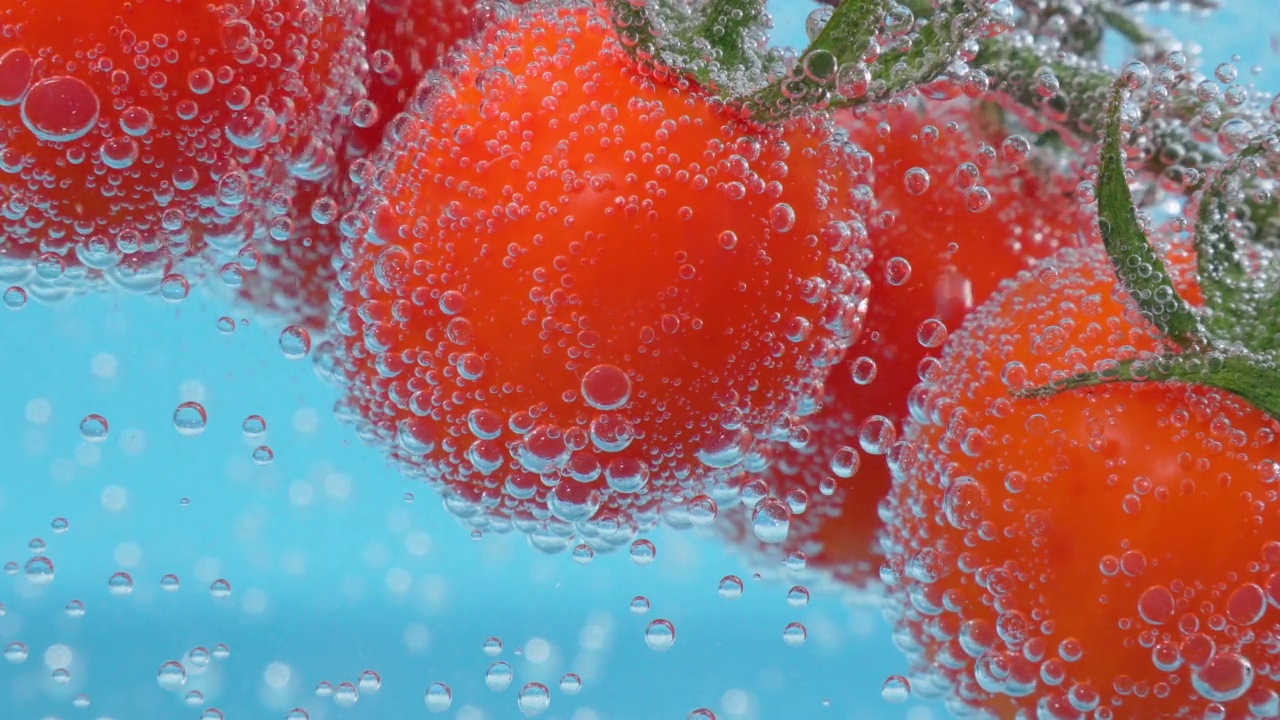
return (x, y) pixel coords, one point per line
(334, 572)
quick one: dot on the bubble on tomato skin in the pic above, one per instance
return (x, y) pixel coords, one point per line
(498, 676)
(1225, 677)
(771, 520)
(60, 109)
(916, 182)
(606, 387)
(190, 419)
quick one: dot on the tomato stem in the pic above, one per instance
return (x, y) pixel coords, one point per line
(726, 26)
(1070, 92)
(1136, 263)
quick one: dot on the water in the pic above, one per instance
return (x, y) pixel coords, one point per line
(214, 544)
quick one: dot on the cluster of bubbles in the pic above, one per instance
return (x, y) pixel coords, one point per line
(502, 361)
(165, 135)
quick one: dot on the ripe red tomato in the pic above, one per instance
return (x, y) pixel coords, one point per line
(405, 39)
(584, 286)
(1104, 552)
(138, 133)
(935, 257)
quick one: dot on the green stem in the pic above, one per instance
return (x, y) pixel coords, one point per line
(1016, 64)
(1137, 265)
(725, 26)
(845, 39)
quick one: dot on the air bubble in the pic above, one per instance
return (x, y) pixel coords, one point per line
(190, 418)
(534, 699)
(660, 635)
(295, 342)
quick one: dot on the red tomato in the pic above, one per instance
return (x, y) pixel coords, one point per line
(138, 133)
(406, 39)
(1105, 552)
(935, 257)
(584, 286)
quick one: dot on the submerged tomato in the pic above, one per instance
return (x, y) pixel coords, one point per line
(951, 222)
(405, 40)
(585, 287)
(1106, 552)
(136, 134)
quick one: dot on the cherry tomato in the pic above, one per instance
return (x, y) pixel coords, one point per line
(936, 255)
(136, 134)
(1103, 552)
(405, 39)
(584, 286)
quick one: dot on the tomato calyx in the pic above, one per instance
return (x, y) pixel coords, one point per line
(1231, 342)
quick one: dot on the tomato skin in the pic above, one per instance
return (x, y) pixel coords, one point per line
(141, 133)
(405, 40)
(572, 242)
(1029, 217)
(1110, 549)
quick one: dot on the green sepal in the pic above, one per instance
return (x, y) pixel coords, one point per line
(1136, 262)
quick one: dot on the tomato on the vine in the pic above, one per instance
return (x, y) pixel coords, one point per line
(584, 285)
(953, 218)
(1109, 549)
(405, 39)
(136, 134)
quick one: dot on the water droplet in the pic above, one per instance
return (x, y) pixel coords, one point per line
(643, 552)
(263, 455)
(93, 428)
(174, 287)
(254, 426)
(120, 584)
(438, 697)
(534, 699)
(295, 342)
(771, 520)
(346, 694)
(794, 634)
(170, 583)
(498, 677)
(39, 570)
(15, 652)
(660, 635)
(15, 298)
(369, 681)
(171, 675)
(492, 647)
(702, 510)
(896, 689)
(798, 596)
(60, 525)
(639, 605)
(731, 587)
(570, 684)
(74, 609)
(220, 589)
(190, 418)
